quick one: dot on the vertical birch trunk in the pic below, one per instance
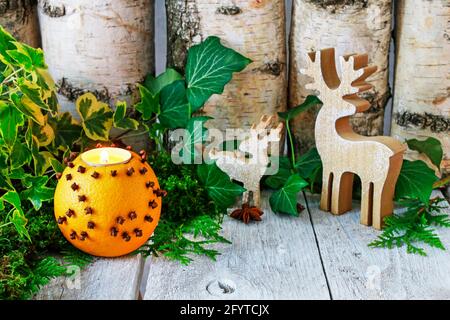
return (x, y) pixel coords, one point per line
(256, 29)
(349, 26)
(422, 77)
(20, 18)
(101, 46)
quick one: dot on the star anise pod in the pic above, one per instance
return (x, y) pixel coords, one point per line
(247, 213)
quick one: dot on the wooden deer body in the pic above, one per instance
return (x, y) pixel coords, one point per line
(376, 160)
(250, 170)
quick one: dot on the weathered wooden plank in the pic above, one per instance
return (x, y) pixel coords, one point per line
(274, 259)
(355, 271)
(104, 279)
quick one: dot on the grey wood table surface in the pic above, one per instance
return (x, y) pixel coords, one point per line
(315, 256)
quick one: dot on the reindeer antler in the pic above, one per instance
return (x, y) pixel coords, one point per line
(313, 69)
(264, 123)
(354, 72)
(259, 136)
(321, 66)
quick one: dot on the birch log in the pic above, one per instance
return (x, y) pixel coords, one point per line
(256, 29)
(102, 46)
(20, 18)
(349, 26)
(422, 77)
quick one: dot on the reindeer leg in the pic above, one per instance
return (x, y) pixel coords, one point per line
(384, 192)
(335, 186)
(341, 194)
(377, 214)
(325, 199)
(245, 195)
(256, 196)
(383, 195)
(366, 203)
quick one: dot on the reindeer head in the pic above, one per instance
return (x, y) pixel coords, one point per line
(321, 66)
(259, 137)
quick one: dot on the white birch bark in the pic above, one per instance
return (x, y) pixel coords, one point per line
(254, 28)
(349, 26)
(20, 18)
(102, 46)
(422, 76)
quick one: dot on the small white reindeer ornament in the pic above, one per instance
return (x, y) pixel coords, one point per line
(376, 160)
(250, 170)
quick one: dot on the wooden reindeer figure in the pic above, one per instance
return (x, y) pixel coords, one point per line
(250, 170)
(376, 160)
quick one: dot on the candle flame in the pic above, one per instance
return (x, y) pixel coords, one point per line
(104, 156)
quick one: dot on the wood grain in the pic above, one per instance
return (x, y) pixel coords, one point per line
(249, 171)
(102, 46)
(254, 28)
(20, 18)
(344, 153)
(422, 107)
(274, 259)
(104, 279)
(348, 26)
(355, 271)
(277, 259)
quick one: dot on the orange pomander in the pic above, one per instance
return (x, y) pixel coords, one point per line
(108, 211)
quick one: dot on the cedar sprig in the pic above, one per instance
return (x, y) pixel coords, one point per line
(180, 242)
(414, 226)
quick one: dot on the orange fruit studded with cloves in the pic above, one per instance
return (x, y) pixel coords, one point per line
(108, 211)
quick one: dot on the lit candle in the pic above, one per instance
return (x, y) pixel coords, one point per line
(106, 156)
(108, 201)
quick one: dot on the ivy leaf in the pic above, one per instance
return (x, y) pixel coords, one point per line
(309, 164)
(41, 159)
(65, 129)
(20, 155)
(209, 68)
(415, 181)
(174, 106)
(219, 186)
(277, 180)
(149, 103)
(309, 102)
(6, 43)
(56, 165)
(3, 160)
(96, 117)
(33, 92)
(27, 57)
(285, 199)
(431, 147)
(19, 221)
(12, 197)
(197, 134)
(5, 183)
(37, 191)
(18, 173)
(11, 119)
(45, 82)
(20, 59)
(156, 131)
(48, 90)
(44, 134)
(155, 85)
(119, 119)
(28, 108)
(52, 103)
